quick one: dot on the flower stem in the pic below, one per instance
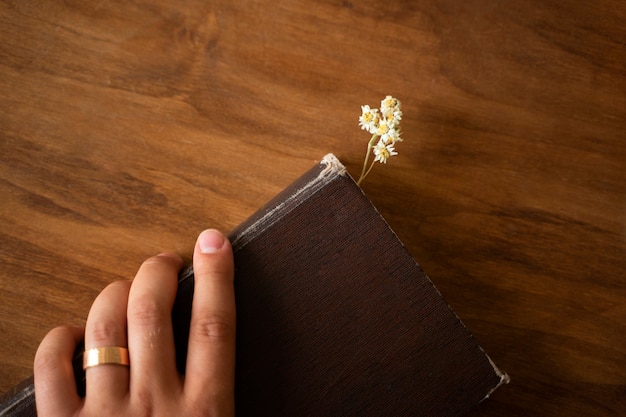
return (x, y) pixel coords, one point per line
(368, 171)
(367, 157)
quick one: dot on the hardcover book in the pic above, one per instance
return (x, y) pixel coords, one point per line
(334, 316)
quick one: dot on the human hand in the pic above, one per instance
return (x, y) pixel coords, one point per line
(137, 314)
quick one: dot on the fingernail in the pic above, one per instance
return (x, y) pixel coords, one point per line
(210, 241)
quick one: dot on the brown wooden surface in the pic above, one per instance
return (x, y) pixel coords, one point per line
(128, 127)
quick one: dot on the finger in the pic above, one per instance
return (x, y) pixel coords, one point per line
(106, 327)
(55, 386)
(150, 335)
(210, 370)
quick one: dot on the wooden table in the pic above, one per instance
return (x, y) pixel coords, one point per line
(128, 127)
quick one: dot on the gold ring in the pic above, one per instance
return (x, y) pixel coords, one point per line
(105, 355)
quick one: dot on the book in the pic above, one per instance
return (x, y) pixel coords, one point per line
(335, 317)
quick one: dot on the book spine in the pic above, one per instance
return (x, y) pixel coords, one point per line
(20, 401)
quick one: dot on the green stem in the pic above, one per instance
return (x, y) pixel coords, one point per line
(370, 168)
(367, 157)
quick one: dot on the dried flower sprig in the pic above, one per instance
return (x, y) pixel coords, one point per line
(384, 125)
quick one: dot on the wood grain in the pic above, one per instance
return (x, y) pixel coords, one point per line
(128, 127)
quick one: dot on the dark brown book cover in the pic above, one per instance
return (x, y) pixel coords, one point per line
(334, 316)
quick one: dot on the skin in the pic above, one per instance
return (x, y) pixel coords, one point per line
(137, 314)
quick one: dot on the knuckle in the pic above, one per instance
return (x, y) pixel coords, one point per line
(144, 403)
(150, 402)
(47, 355)
(45, 363)
(213, 328)
(198, 409)
(104, 332)
(103, 409)
(146, 310)
(215, 271)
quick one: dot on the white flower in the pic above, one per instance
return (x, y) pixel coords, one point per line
(369, 119)
(382, 128)
(390, 110)
(391, 137)
(389, 103)
(383, 152)
(384, 125)
(393, 118)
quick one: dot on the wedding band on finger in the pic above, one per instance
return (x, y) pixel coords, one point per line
(110, 355)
